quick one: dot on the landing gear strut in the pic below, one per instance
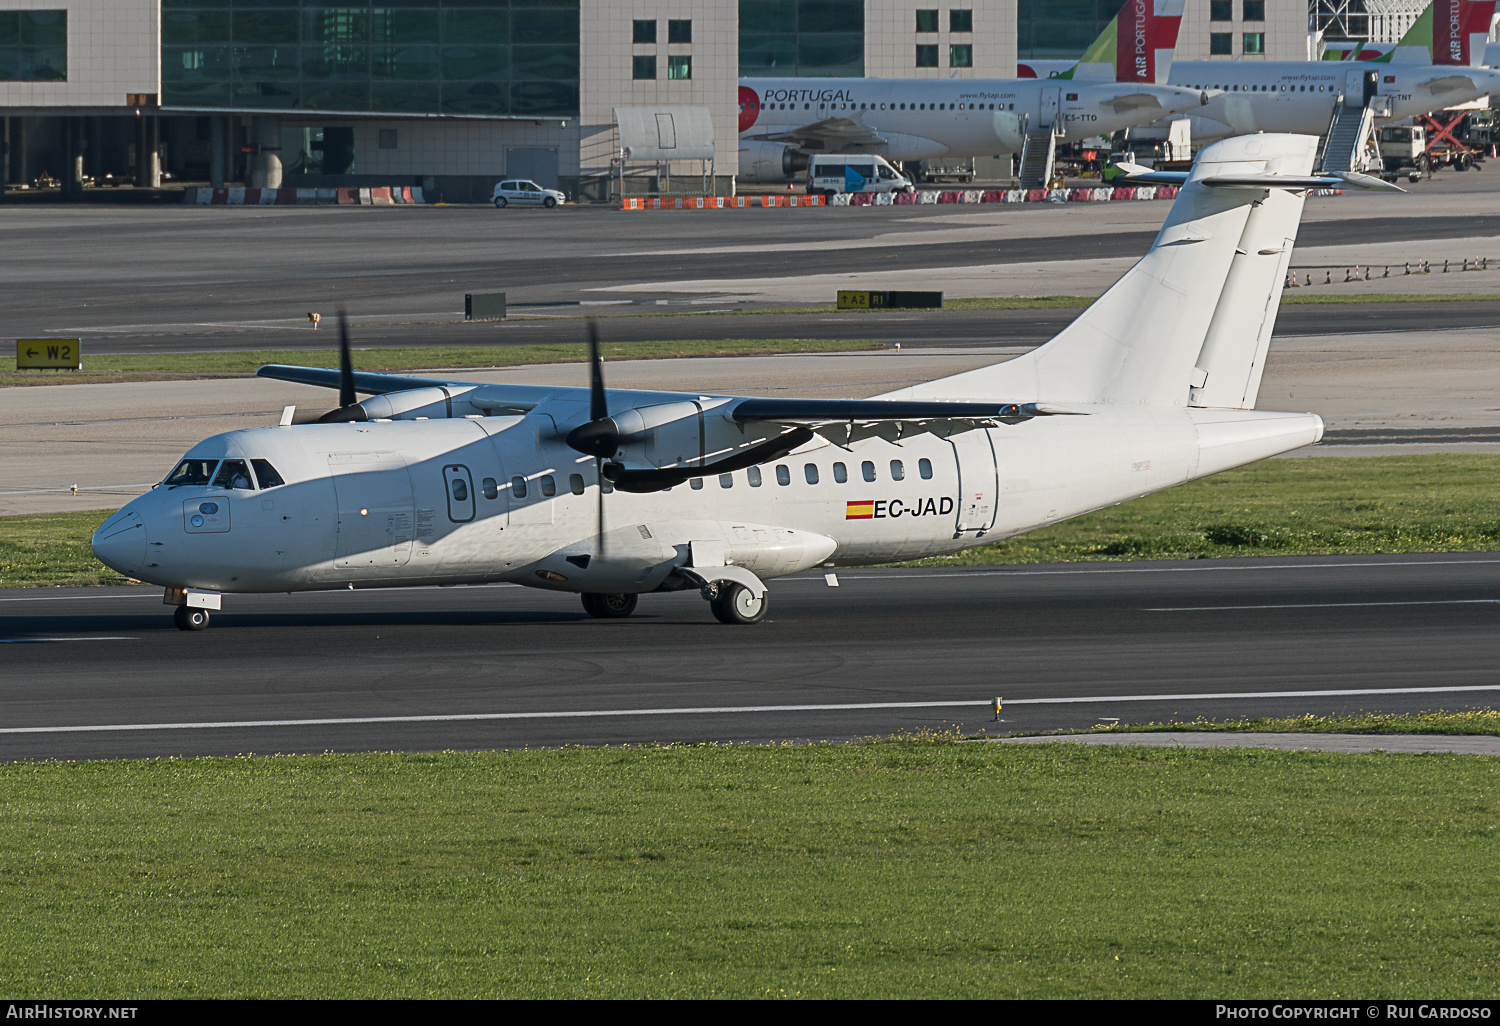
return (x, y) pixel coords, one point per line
(609, 607)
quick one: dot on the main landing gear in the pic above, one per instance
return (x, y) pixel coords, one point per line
(609, 607)
(735, 603)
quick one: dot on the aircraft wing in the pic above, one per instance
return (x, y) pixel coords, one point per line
(1127, 102)
(366, 382)
(845, 422)
(1451, 83)
(830, 133)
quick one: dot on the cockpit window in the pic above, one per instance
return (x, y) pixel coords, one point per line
(267, 474)
(192, 472)
(233, 474)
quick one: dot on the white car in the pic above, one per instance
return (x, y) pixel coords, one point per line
(526, 193)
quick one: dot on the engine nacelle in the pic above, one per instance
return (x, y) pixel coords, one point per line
(434, 402)
(770, 162)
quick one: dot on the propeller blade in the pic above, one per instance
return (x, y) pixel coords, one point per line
(346, 363)
(600, 437)
(598, 408)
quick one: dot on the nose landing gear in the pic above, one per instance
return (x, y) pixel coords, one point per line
(193, 605)
(188, 619)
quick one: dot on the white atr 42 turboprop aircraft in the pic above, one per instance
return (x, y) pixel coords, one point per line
(1120, 82)
(612, 493)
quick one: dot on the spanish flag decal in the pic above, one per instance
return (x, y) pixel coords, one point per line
(862, 510)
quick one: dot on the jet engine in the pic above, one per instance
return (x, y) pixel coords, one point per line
(770, 162)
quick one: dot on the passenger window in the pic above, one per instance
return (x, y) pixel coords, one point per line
(233, 474)
(810, 471)
(898, 472)
(753, 475)
(868, 470)
(726, 480)
(696, 484)
(575, 484)
(192, 472)
(549, 485)
(491, 488)
(924, 467)
(783, 475)
(266, 474)
(460, 491)
(840, 473)
(518, 487)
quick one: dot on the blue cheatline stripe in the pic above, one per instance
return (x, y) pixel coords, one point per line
(723, 710)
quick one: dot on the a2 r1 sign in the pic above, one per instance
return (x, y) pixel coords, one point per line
(48, 354)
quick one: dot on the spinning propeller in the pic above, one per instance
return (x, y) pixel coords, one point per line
(347, 399)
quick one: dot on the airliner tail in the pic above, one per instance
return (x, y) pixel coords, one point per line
(1190, 323)
(1136, 47)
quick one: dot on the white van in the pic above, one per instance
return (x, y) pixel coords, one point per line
(831, 173)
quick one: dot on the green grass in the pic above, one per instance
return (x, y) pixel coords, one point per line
(1433, 503)
(415, 357)
(52, 549)
(1468, 721)
(916, 868)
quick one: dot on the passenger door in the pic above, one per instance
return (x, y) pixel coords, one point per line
(978, 481)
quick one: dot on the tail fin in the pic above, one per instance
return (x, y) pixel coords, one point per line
(1136, 46)
(1189, 324)
(1448, 32)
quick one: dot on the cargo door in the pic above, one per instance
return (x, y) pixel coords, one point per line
(375, 509)
(978, 481)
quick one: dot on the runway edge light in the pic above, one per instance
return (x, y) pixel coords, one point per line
(997, 709)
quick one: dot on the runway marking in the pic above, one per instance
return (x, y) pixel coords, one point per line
(730, 709)
(1152, 569)
(36, 641)
(1326, 605)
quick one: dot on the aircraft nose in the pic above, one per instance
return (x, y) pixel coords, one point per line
(120, 543)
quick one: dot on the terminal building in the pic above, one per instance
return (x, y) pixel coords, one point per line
(453, 95)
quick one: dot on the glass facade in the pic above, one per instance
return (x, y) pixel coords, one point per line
(33, 46)
(403, 56)
(802, 38)
(1061, 28)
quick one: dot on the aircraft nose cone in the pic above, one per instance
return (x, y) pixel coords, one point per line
(120, 543)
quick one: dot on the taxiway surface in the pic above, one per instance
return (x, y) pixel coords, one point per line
(101, 673)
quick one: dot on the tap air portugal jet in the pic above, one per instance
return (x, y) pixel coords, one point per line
(1118, 83)
(612, 493)
(1429, 70)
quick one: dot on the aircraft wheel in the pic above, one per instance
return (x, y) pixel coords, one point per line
(187, 619)
(609, 607)
(735, 603)
(499, 202)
